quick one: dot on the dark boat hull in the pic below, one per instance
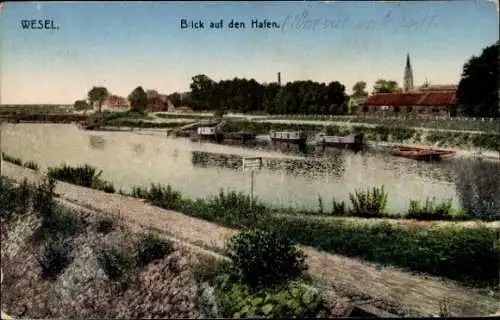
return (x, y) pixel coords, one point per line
(295, 141)
(352, 146)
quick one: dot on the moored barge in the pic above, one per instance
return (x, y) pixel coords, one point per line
(298, 137)
(352, 141)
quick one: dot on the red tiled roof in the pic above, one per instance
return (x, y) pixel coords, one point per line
(116, 101)
(393, 99)
(438, 98)
(414, 99)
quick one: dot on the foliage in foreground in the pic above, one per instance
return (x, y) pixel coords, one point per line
(85, 176)
(55, 256)
(264, 258)
(444, 251)
(292, 300)
(151, 247)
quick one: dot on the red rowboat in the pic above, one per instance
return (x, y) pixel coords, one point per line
(424, 154)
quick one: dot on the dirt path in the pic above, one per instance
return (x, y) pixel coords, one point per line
(347, 276)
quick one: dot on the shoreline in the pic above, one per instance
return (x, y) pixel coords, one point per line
(474, 153)
(335, 270)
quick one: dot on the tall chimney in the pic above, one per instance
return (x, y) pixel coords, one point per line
(279, 78)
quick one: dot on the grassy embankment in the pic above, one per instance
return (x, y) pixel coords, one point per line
(445, 251)
(449, 124)
(63, 263)
(383, 134)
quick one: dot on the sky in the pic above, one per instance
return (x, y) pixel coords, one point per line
(122, 45)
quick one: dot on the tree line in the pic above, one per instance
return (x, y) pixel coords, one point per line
(477, 93)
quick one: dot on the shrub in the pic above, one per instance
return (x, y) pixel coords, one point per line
(295, 300)
(339, 208)
(80, 175)
(369, 204)
(14, 199)
(207, 268)
(164, 197)
(12, 160)
(114, 262)
(431, 210)
(321, 208)
(261, 258)
(151, 247)
(103, 185)
(235, 209)
(104, 225)
(31, 165)
(43, 199)
(55, 256)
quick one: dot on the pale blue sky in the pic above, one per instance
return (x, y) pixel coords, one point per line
(123, 45)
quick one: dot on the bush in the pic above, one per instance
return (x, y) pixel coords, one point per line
(31, 165)
(104, 225)
(43, 199)
(55, 256)
(151, 247)
(12, 160)
(261, 258)
(295, 300)
(164, 197)
(369, 204)
(103, 185)
(14, 199)
(114, 263)
(208, 268)
(431, 210)
(80, 175)
(339, 208)
(85, 176)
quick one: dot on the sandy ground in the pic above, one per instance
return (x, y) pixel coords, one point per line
(418, 293)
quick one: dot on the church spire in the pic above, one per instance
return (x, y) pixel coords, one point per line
(408, 75)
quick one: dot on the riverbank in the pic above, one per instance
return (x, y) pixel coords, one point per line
(344, 274)
(61, 260)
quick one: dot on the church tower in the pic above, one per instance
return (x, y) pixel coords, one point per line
(408, 78)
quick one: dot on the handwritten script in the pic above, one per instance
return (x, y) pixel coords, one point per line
(303, 21)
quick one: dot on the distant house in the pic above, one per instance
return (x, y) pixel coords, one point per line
(156, 104)
(114, 103)
(419, 103)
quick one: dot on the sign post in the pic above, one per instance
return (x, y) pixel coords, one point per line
(253, 164)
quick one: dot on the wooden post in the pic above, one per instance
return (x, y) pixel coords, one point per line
(251, 189)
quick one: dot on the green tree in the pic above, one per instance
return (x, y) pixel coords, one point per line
(202, 92)
(98, 94)
(478, 88)
(138, 100)
(81, 105)
(386, 86)
(176, 99)
(264, 258)
(359, 89)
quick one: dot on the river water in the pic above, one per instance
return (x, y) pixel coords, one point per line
(289, 178)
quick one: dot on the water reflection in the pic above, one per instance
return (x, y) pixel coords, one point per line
(138, 148)
(334, 166)
(291, 176)
(97, 142)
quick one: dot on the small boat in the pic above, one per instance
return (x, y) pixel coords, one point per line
(423, 154)
(210, 133)
(298, 137)
(352, 141)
